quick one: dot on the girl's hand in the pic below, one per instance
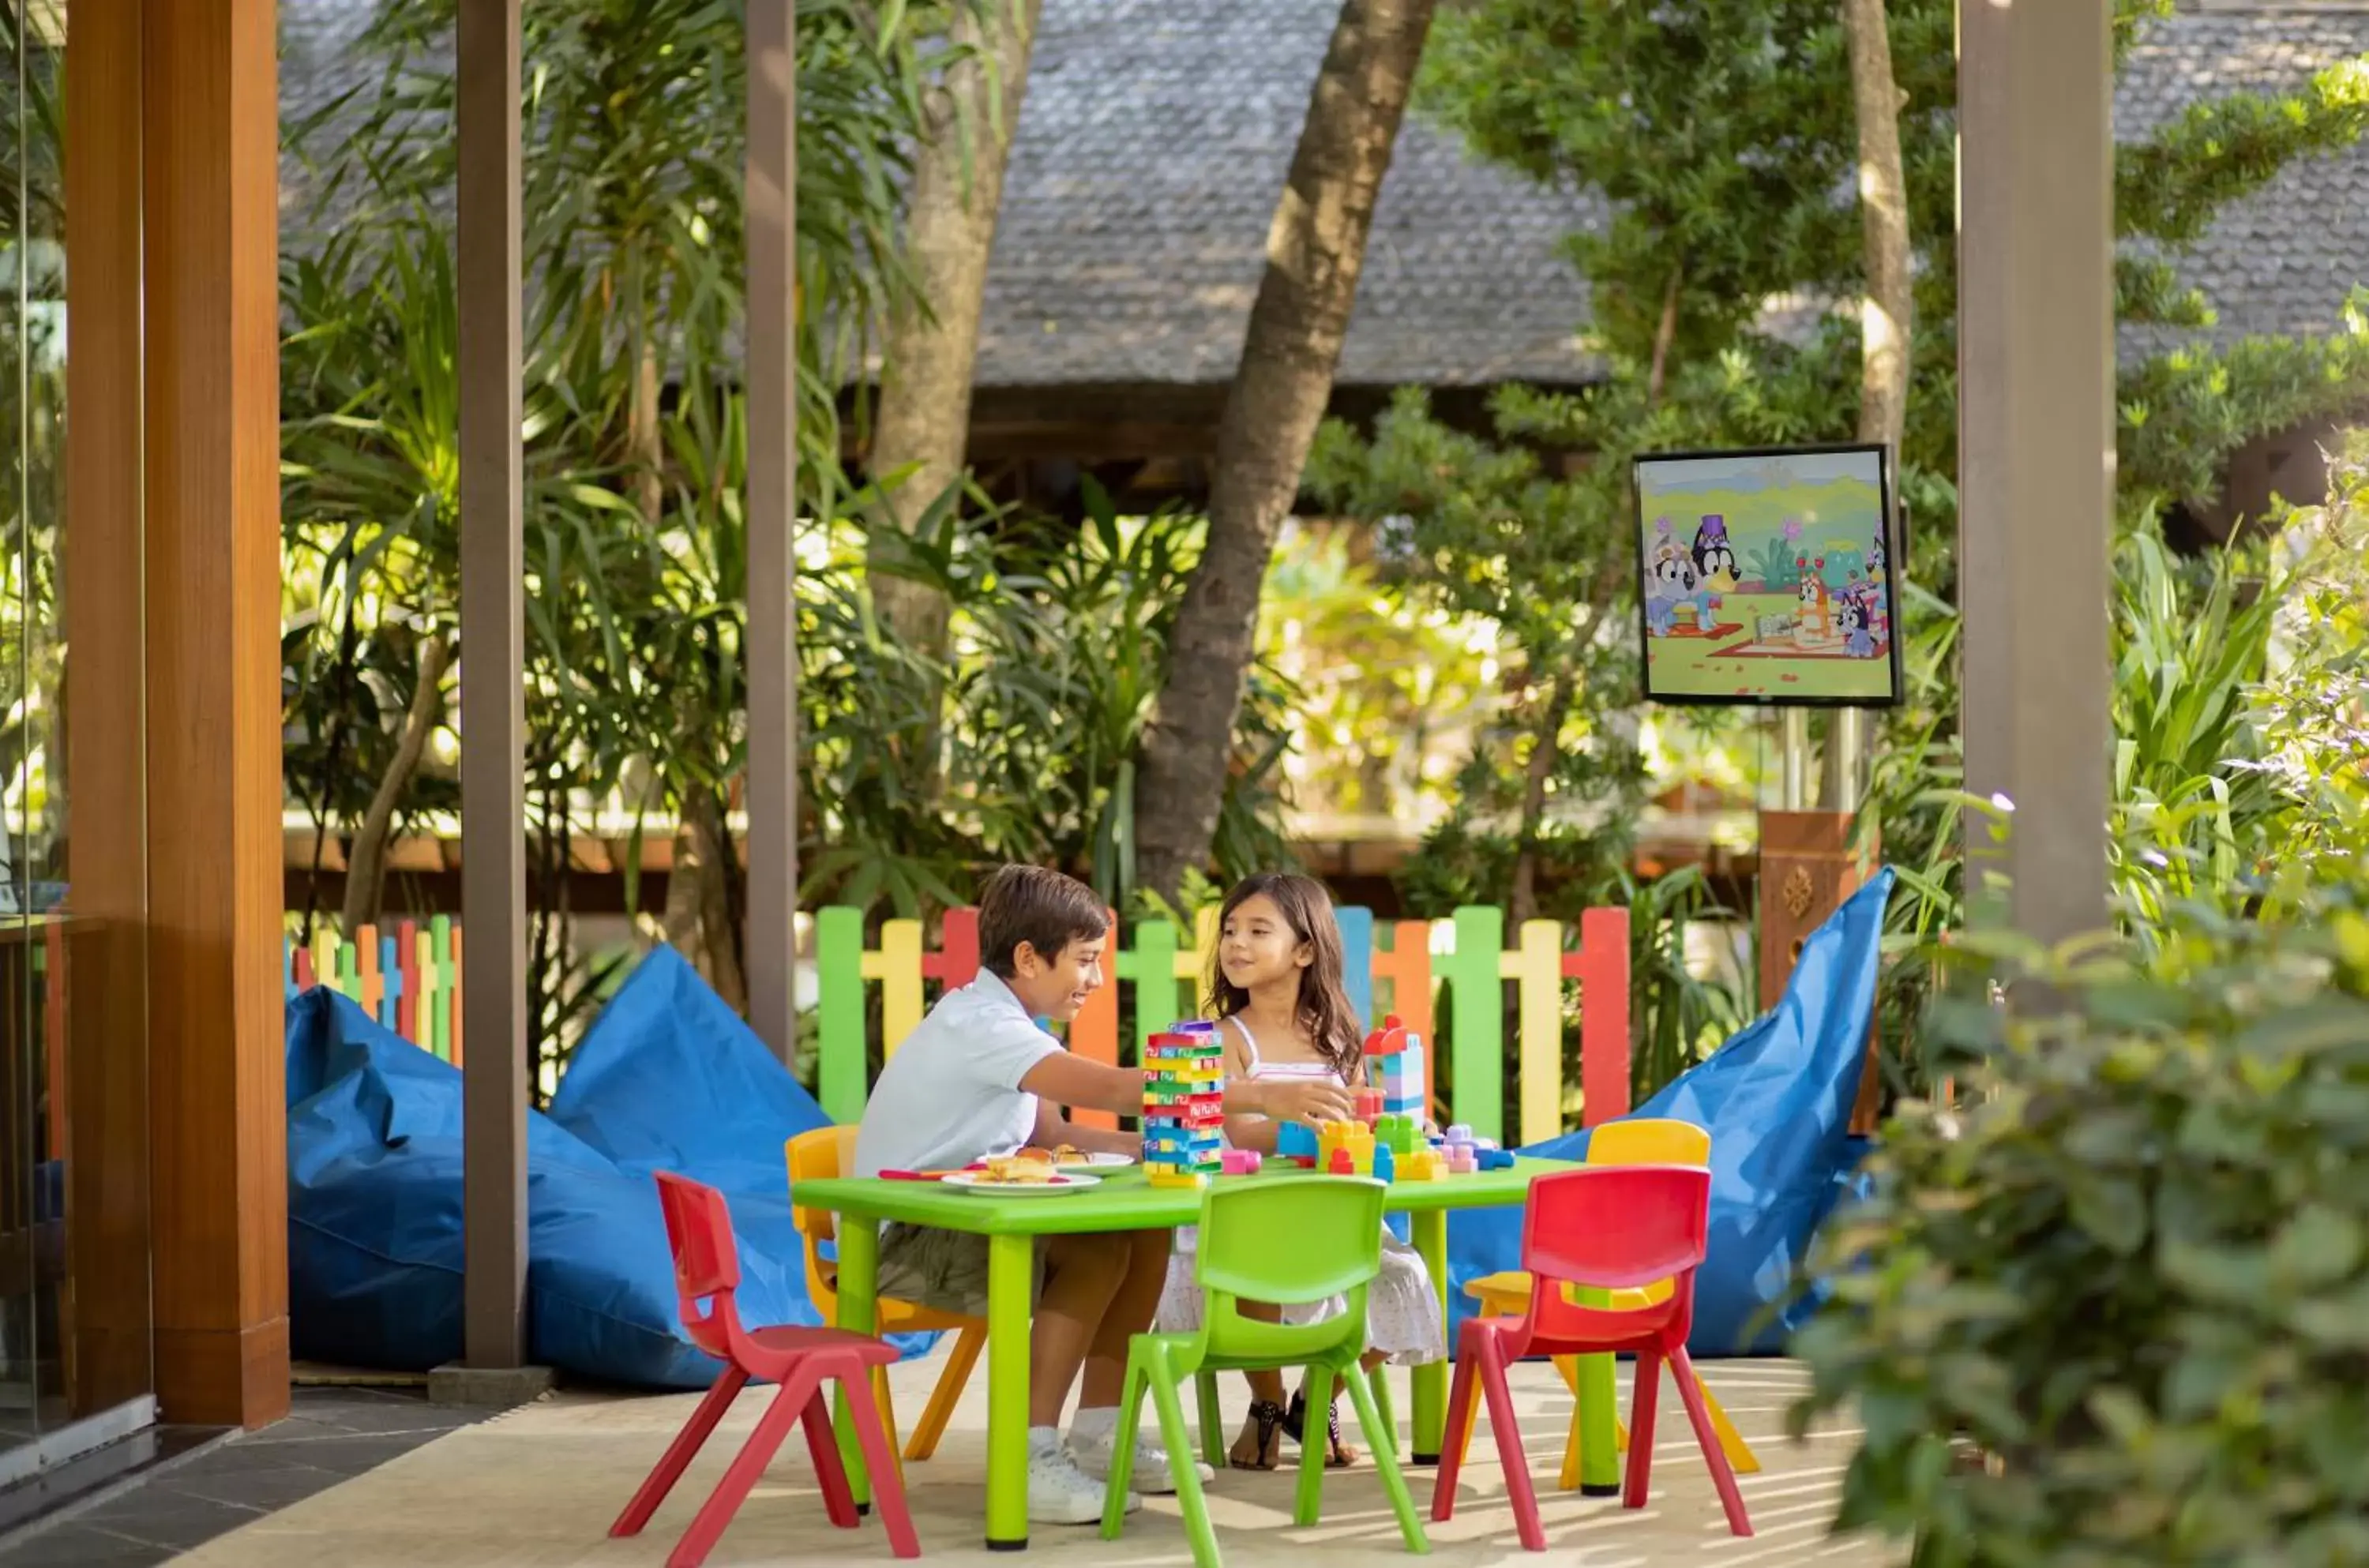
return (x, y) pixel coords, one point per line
(1306, 1100)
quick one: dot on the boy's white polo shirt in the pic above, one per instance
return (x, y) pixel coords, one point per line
(951, 1094)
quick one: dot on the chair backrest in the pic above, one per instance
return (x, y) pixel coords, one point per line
(1649, 1140)
(819, 1155)
(1289, 1243)
(707, 1260)
(824, 1154)
(1616, 1226)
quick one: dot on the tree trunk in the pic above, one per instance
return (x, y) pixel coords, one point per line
(1546, 731)
(1314, 251)
(699, 896)
(925, 422)
(366, 866)
(1885, 309)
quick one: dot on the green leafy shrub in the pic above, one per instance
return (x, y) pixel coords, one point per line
(2116, 1311)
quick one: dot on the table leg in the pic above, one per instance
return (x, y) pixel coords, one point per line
(859, 1313)
(1600, 1457)
(1010, 1267)
(1428, 1413)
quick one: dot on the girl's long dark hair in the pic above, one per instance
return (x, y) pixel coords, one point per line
(1324, 1010)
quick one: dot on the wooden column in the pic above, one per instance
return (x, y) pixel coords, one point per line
(2036, 453)
(771, 218)
(107, 840)
(493, 683)
(1809, 867)
(216, 1110)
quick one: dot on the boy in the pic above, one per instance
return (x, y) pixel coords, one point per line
(979, 1078)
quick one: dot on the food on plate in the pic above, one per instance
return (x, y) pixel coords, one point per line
(1030, 1167)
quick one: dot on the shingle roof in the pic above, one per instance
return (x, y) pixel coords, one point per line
(1157, 134)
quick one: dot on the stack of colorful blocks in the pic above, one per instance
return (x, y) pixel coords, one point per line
(1395, 1064)
(1184, 1106)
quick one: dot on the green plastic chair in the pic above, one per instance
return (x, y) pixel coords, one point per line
(1288, 1243)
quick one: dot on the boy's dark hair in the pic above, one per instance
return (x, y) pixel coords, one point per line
(1039, 906)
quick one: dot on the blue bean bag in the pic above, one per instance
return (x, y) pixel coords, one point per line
(1777, 1099)
(668, 1078)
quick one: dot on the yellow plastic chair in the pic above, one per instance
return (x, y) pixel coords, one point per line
(1648, 1141)
(822, 1155)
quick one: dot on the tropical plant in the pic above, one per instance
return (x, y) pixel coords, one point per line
(2111, 1310)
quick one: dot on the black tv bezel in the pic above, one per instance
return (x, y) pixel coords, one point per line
(1889, 522)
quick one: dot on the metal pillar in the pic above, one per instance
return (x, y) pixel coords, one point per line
(772, 793)
(2036, 451)
(493, 712)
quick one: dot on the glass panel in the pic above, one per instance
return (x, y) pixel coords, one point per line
(20, 1412)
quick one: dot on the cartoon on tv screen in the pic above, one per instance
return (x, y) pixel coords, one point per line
(1765, 578)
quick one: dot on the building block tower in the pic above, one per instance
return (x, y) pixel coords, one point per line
(1184, 1104)
(1395, 1064)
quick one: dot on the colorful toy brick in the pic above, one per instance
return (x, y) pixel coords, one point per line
(1296, 1143)
(1353, 1140)
(1495, 1160)
(1240, 1162)
(1385, 1163)
(1394, 1063)
(1422, 1165)
(1402, 1135)
(1184, 1106)
(1462, 1159)
(1369, 1105)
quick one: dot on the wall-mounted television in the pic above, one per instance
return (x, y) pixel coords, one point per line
(1767, 578)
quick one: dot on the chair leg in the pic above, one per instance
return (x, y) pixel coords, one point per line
(1568, 1368)
(1691, 1389)
(680, 1452)
(1213, 1420)
(708, 1525)
(1510, 1453)
(1381, 1437)
(888, 1480)
(1122, 1466)
(1379, 1381)
(1640, 1429)
(1315, 1452)
(822, 1444)
(1175, 1439)
(941, 1408)
(1460, 1399)
(1739, 1452)
(887, 1411)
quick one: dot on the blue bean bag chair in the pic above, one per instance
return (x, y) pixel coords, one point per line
(668, 1078)
(1777, 1099)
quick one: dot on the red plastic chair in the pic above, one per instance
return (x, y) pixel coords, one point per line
(1611, 1226)
(801, 1360)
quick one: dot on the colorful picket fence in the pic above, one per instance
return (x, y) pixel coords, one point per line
(408, 979)
(1409, 959)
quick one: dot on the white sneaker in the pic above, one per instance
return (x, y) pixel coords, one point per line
(1153, 1474)
(1061, 1493)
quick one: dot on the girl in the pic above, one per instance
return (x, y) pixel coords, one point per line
(1275, 984)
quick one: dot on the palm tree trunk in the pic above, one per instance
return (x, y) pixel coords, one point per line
(1315, 252)
(925, 422)
(1885, 308)
(366, 867)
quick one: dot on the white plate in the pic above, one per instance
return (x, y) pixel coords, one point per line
(1062, 1182)
(1101, 1162)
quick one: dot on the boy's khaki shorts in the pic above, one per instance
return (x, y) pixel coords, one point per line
(943, 1270)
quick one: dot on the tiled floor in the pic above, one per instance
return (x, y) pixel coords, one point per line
(333, 1435)
(537, 1488)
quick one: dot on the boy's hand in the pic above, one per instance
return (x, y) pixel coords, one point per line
(1305, 1100)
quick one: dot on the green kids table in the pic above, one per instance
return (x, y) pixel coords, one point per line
(1126, 1201)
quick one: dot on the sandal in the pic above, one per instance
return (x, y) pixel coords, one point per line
(1268, 1418)
(1295, 1421)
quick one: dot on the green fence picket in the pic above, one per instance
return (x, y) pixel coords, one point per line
(1151, 965)
(1477, 1013)
(842, 1082)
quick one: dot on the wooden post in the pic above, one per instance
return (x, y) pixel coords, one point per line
(1809, 866)
(2036, 454)
(216, 1107)
(493, 656)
